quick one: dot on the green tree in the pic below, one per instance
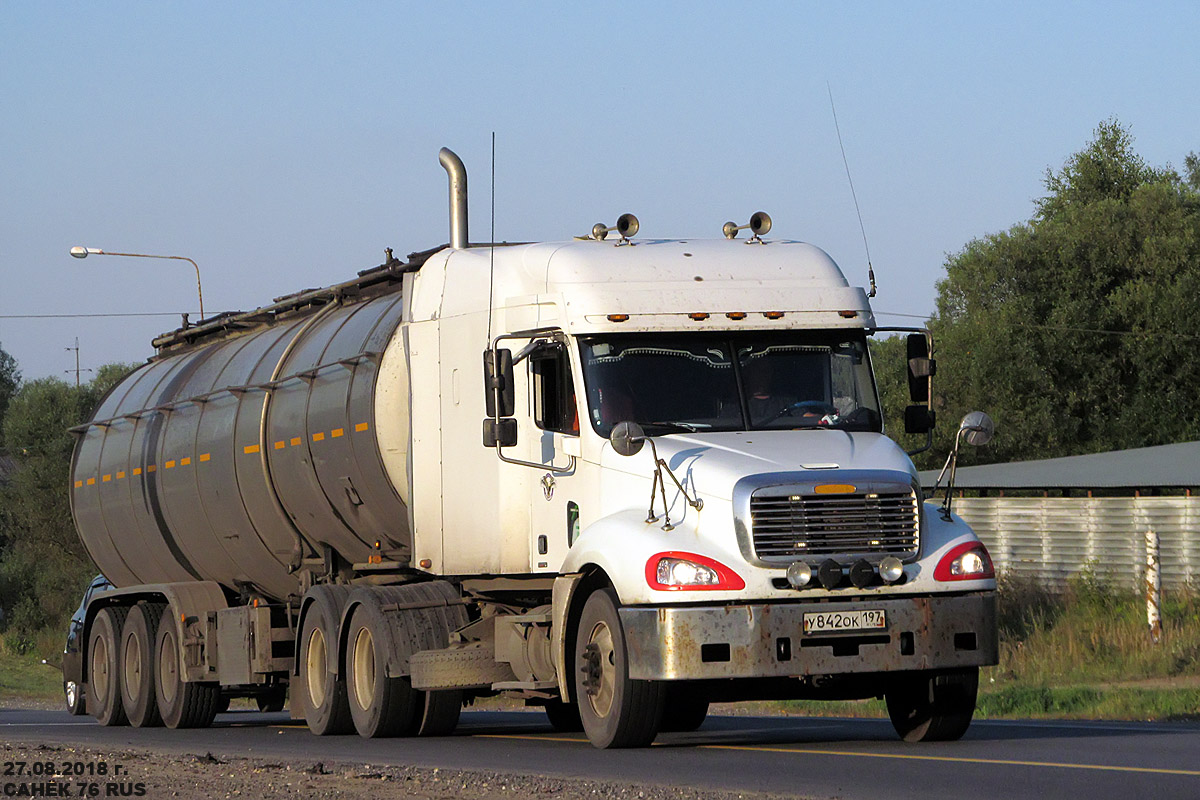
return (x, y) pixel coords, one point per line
(43, 565)
(10, 379)
(1076, 330)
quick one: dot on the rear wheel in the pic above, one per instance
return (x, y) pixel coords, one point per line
(104, 675)
(615, 710)
(137, 664)
(380, 705)
(322, 695)
(273, 700)
(183, 704)
(933, 707)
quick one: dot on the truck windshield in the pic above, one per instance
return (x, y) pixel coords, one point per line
(730, 382)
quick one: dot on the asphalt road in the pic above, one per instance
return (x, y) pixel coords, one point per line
(809, 757)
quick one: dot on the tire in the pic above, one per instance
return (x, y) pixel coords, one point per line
(441, 711)
(273, 700)
(321, 694)
(564, 717)
(933, 706)
(73, 695)
(683, 709)
(380, 706)
(615, 711)
(138, 635)
(181, 703)
(104, 674)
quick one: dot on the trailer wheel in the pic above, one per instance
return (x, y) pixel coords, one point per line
(380, 705)
(138, 635)
(441, 712)
(564, 717)
(933, 707)
(104, 676)
(323, 696)
(615, 710)
(683, 709)
(183, 704)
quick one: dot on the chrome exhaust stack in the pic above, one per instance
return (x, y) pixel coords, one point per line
(458, 197)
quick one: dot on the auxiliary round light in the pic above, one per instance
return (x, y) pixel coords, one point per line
(799, 575)
(891, 569)
(862, 574)
(830, 574)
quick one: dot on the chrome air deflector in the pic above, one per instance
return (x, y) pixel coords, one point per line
(784, 517)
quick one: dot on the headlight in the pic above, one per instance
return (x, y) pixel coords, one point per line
(967, 562)
(681, 571)
(677, 572)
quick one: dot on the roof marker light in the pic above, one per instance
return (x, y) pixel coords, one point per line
(699, 316)
(773, 314)
(736, 314)
(618, 317)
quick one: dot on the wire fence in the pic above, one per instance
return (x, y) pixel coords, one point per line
(1052, 538)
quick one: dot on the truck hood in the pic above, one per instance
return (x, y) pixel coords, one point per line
(711, 463)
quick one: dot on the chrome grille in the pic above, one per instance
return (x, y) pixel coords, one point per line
(873, 524)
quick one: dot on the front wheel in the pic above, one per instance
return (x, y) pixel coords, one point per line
(684, 710)
(933, 706)
(615, 710)
(73, 694)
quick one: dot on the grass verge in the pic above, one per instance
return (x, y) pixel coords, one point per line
(26, 677)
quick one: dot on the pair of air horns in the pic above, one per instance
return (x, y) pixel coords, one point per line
(627, 227)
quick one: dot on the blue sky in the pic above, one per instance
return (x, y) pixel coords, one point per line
(285, 145)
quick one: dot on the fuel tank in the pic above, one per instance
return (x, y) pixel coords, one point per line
(248, 448)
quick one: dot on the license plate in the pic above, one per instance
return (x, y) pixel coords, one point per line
(837, 621)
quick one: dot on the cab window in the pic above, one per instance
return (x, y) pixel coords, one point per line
(552, 390)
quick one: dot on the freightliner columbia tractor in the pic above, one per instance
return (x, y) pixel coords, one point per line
(617, 478)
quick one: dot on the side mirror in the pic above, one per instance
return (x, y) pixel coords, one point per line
(977, 428)
(499, 377)
(918, 419)
(920, 368)
(627, 438)
(502, 432)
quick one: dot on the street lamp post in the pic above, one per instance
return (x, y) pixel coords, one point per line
(84, 252)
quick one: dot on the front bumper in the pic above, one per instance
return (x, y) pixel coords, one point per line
(767, 639)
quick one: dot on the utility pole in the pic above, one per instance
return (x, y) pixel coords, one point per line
(77, 370)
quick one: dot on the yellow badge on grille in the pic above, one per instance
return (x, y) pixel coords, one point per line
(834, 488)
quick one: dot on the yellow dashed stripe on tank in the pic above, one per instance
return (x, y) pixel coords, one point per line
(250, 449)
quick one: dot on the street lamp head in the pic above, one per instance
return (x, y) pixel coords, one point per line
(84, 252)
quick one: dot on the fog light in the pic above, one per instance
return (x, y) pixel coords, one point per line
(862, 574)
(830, 573)
(799, 575)
(891, 569)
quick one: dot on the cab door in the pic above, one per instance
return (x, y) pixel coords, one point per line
(554, 412)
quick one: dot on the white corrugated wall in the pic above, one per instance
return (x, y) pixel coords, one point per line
(1050, 538)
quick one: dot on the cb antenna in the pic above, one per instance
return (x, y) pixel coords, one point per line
(492, 246)
(836, 127)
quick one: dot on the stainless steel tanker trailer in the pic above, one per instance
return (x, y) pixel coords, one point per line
(617, 478)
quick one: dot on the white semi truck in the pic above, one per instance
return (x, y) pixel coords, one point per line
(619, 478)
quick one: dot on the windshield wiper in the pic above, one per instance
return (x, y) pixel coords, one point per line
(690, 427)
